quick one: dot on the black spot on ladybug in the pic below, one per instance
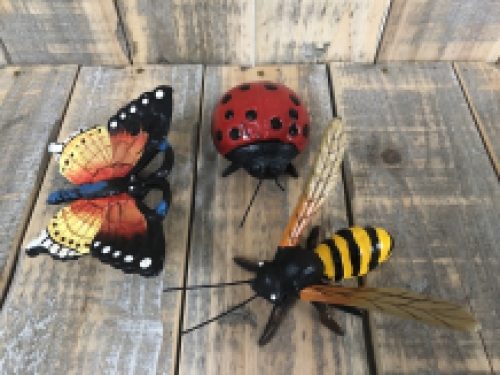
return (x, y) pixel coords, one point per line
(71, 154)
(305, 131)
(82, 141)
(294, 115)
(251, 115)
(54, 225)
(294, 130)
(56, 233)
(234, 134)
(66, 162)
(295, 100)
(229, 114)
(244, 87)
(218, 135)
(63, 239)
(276, 123)
(270, 86)
(226, 98)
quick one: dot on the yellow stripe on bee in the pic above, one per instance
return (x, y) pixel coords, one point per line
(343, 248)
(385, 244)
(364, 245)
(325, 254)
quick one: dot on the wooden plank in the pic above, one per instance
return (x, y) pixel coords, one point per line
(185, 31)
(32, 103)
(481, 85)
(301, 345)
(311, 30)
(53, 31)
(85, 317)
(418, 168)
(460, 30)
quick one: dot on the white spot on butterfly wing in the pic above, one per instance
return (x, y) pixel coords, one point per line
(116, 254)
(123, 115)
(145, 101)
(128, 258)
(145, 263)
(106, 249)
(97, 243)
(55, 148)
(113, 124)
(159, 94)
(132, 109)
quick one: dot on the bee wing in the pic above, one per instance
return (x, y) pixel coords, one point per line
(319, 185)
(397, 302)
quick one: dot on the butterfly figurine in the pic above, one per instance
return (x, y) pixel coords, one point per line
(107, 216)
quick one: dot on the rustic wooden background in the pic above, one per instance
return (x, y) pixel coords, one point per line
(422, 161)
(247, 32)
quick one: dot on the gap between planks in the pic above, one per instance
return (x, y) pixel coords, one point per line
(7, 274)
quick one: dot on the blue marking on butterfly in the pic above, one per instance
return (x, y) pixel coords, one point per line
(162, 208)
(163, 145)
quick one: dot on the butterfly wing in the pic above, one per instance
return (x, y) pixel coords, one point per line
(130, 140)
(320, 184)
(397, 302)
(119, 230)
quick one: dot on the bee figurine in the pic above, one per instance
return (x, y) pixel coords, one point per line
(308, 273)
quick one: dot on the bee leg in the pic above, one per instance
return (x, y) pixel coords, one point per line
(327, 319)
(246, 264)
(274, 321)
(313, 238)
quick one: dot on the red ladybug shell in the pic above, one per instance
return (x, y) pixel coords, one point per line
(259, 111)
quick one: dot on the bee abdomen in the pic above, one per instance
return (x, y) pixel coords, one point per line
(354, 251)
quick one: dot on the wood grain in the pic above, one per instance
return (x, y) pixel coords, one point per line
(184, 31)
(418, 168)
(481, 85)
(229, 346)
(54, 31)
(460, 30)
(32, 103)
(85, 317)
(312, 30)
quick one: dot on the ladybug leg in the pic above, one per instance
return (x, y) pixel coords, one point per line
(290, 170)
(230, 170)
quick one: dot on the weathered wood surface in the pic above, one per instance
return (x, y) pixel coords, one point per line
(301, 345)
(84, 317)
(481, 84)
(54, 31)
(180, 31)
(32, 103)
(311, 30)
(418, 167)
(442, 30)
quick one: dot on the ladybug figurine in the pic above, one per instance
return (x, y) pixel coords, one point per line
(260, 127)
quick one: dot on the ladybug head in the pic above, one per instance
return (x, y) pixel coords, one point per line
(260, 127)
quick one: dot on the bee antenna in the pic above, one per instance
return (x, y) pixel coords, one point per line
(217, 317)
(206, 286)
(250, 204)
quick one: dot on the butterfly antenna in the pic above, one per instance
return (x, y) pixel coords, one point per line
(250, 204)
(206, 286)
(229, 311)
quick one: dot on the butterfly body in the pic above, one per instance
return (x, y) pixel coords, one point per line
(106, 216)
